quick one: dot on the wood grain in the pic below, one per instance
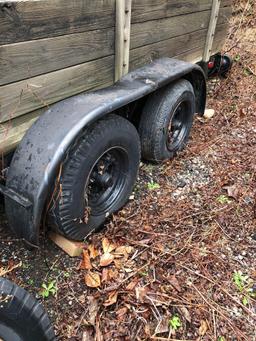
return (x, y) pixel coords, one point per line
(150, 32)
(11, 132)
(144, 10)
(19, 98)
(28, 20)
(172, 47)
(28, 59)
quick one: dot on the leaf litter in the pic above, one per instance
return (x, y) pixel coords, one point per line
(178, 262)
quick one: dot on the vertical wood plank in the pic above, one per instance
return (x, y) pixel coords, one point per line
(122, 40)
(211, 30)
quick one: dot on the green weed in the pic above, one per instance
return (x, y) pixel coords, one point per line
(153, 185)
(175, 322)
(48, 289)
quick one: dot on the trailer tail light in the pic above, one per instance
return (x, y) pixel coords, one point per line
(211, 65)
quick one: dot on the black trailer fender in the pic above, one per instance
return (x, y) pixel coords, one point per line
(37, 159)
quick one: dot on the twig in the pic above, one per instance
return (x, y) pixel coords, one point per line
(219, 312)
(221, 288)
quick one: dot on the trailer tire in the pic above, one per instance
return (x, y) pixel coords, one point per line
(97, 177)
(22, 318)
(166, 121)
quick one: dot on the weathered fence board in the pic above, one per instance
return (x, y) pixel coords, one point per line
(19, 98)
(27, 20)
(171, 47)
(28, 59)
(144, 10)
(11, 132)
(150, 32)
(22, 20)
(31, 58)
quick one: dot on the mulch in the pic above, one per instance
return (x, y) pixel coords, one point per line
(179, 261)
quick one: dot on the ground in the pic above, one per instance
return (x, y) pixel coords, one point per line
(179, 260)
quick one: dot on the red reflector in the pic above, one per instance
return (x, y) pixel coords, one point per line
(210, 65)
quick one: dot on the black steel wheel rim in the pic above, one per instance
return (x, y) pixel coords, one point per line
(178, 126)
(106, 180)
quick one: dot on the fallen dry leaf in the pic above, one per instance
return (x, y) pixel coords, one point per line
(174, 282)
(163, 326)
(123, 250)
(141, 293)
(85, 263)
(118, 263)
(184, 311)
(106, 259)
(203, 328)
(105, 275)
(121, 312)
(113, 274)
(92, 279)
(112, 298)
(107, 246)
(132, 285)
(233, 191)
(108, 275)
(93, 252)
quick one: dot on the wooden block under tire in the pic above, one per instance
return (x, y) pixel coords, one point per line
(72, 248)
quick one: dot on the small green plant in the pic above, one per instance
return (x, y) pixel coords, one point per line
(25, 265)
(223, 199)
(245, 285)
(153, 185)
(48, 289)
(66, 274)
(221, 338)
(175, 322)
(248, 72)
(240, 280)
(31, 281)
(143, 273)
(237, 58)
(245, 301)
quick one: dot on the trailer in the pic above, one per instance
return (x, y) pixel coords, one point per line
(86, 89)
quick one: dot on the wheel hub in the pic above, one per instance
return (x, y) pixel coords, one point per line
(106, 180)
(177, 128)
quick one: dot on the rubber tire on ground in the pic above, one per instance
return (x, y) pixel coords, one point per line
(22, 318)
(65, 214)
(157, 115)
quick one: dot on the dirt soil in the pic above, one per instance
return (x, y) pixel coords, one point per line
(179, 261)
